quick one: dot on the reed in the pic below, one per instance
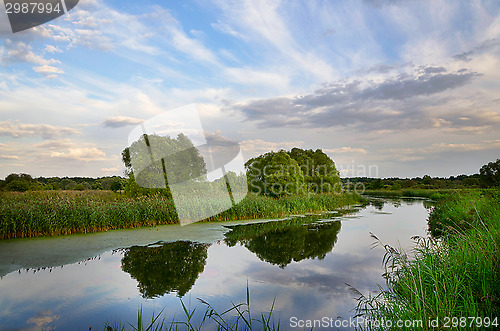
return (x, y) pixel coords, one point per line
(50, 213)
(450, 281)
(236, 317)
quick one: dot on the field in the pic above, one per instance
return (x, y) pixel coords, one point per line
(50, 213)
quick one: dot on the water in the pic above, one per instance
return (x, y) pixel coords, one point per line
(303, 265)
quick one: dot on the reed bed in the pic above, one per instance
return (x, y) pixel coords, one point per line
(450, 281)
(411, 193)
(50, 213)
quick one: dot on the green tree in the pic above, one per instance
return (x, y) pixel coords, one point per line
(320, 174)
(489, 174)
(116, 185)
(19, 182)
(162, 268)
(155, 161)
(275, 174)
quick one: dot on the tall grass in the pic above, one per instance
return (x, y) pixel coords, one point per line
(237, 317)
(411, 193)
(49, 213)
(453, 279)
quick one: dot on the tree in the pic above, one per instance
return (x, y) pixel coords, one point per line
(295, 172)
(275, 174)
(155, 161)
(19, 182)
(489, 174)
(320, 174)
(67, 184)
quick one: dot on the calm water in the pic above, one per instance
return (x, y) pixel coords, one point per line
(77, 282)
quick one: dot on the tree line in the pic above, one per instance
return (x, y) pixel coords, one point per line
(24, 182)
(275, 174)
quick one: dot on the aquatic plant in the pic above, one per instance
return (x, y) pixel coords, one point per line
(49, 213)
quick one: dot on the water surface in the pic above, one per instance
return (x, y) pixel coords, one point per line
(302, 264)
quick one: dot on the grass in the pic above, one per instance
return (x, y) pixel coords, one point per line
(433, 194)
(450, 278)
(237, 317)
(50, 213)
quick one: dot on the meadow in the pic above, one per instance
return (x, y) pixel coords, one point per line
(50, 213)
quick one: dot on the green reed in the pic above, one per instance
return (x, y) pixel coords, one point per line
(236, 317)
(453, 278)
(49, 213)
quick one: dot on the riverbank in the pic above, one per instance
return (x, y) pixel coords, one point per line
(432, 194)
(451, 281)
(52, 213)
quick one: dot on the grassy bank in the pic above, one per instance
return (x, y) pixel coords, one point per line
(411, 193)
(452, 282)
(49, 213)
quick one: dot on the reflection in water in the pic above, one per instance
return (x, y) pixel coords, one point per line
(281, 242)
(161, 268)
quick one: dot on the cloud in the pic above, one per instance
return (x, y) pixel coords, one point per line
(120, 121)
(345, 150)
(22, 130)
(52, 49)
(22, 52)
(9, 157)
(436, 150)
(485, 46)
(255, 147)
(395, 102)
(265, 25)
(80, 154)
(70, 150)
(48, 71)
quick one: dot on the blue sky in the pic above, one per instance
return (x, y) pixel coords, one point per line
(405, 87)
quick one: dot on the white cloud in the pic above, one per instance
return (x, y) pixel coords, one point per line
(48, 71)
(254, 147)
(119, 121)
(79, 154)
(22, 52)
(345, 150)
(46, 131)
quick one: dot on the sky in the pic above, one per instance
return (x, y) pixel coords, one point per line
(396, 88)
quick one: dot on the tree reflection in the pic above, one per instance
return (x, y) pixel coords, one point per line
(162, 268)
(281, 242)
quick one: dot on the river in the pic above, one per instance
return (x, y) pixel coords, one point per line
(301, 264)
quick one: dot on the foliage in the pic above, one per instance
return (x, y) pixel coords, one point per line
(161, 268)
(319, 170)
(295, 172)
(19, 183)
(489, 174)
(155, 161)
(275, 174)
